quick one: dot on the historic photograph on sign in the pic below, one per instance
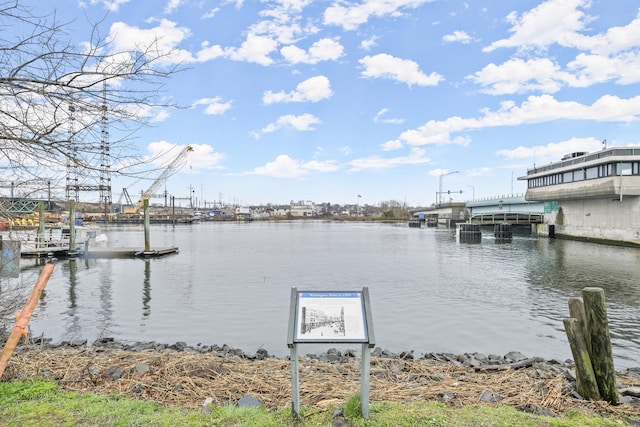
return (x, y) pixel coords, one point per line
(330, 316)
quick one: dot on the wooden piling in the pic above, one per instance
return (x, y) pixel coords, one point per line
(576, 311)
(586, 383)
(601, 352)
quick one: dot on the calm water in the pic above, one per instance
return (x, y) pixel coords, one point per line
(231, 282)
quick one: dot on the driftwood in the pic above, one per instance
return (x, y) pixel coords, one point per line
(515, 365)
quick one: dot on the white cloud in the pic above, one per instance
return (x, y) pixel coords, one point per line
(212, 13)
(311, 90)
(254, 49)
(172, 5)
(519, 76)
(551, 22)
(160, 41)
(536, 109)
(401, 70)
(457, 36)
(351, 16)
(380, 119)
(416, 157)
(553, 151)
(214, 105)
(111, 5)
(593, 69)
(392, 145)
(163, 153)
(303, 122)
(286, 167)
(369, 43)
(322, 50)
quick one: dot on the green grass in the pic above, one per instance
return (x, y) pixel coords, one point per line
(43, 404)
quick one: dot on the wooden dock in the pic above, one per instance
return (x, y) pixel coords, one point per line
(125, 252)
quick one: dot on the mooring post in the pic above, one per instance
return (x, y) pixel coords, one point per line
(147, 243)
(601, 352)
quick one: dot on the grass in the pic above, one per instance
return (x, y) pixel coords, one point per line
(43, 404)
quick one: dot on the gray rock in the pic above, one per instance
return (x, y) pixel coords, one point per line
(207, 406)
(249, 402)
(514, 356)
(536, 410)
(114, 372)
(141, 368)
(489, 397)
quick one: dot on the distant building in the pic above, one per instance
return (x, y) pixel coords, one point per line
(302, 209)
(590, 195)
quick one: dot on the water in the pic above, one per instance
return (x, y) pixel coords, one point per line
(231, 284)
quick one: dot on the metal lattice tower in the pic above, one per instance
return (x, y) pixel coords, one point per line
(101, 183)
(72, 187)
(105, 158)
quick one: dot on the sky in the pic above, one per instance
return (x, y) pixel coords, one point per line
(369, 101)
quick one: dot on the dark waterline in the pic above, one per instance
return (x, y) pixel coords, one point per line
(230, 284)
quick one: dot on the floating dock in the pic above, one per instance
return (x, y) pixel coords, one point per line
(80, 252)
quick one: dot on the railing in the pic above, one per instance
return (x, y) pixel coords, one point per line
(507, 217)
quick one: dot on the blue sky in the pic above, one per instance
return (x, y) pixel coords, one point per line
(327, 100)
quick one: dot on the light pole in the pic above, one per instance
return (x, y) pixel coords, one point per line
(473, 192)
(442, 175)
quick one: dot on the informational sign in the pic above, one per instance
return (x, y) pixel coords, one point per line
(10, 258)
(330, 317)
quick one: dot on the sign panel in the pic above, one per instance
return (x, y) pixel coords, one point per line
(10, 259)
(330, 317)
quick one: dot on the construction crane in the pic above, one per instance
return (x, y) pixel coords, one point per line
(171, 168)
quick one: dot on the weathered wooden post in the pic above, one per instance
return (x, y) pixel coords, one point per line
(601, 352)
(147, 241)
(586, 383)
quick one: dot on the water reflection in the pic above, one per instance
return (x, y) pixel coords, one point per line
(429, 291)
(146, 289)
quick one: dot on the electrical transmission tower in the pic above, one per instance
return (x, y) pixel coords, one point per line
(89, 182)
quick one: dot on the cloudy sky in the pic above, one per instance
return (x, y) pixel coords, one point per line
(327, 100)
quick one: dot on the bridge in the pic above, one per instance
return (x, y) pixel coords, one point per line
(505, 210)
(513, 209)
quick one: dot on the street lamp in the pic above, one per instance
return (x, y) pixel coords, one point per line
(442, 175)
(473, 192)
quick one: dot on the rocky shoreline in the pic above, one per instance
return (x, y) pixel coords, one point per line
(201, 375)
(477, 361)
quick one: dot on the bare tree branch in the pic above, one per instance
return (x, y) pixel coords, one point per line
(54, 95)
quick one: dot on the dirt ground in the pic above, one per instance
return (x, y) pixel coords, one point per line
(186, 379)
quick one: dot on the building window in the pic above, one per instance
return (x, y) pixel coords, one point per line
(592, 172)
(567, 177)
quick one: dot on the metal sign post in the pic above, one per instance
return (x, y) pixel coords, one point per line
(332, 317)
